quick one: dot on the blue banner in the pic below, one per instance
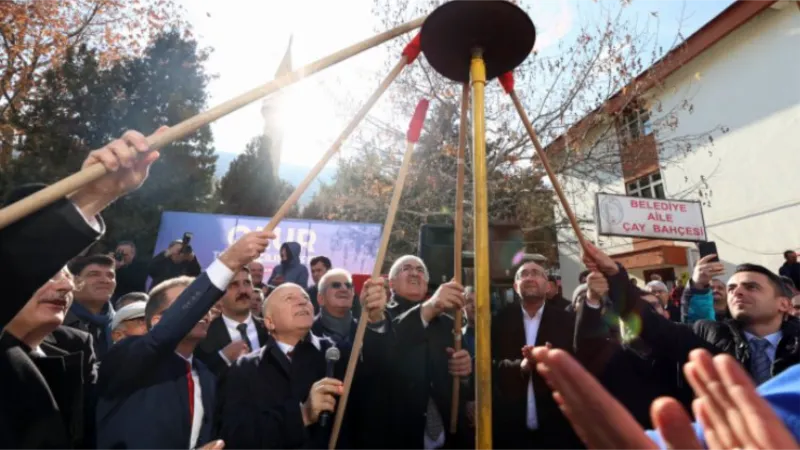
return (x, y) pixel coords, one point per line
(351, 246)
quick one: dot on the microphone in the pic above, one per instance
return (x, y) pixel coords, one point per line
(331, 356)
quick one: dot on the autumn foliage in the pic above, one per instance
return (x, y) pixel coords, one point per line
(36, 36)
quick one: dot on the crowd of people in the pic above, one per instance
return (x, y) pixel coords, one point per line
(217, 356)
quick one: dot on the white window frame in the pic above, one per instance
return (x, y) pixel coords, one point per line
(635, 124)
(647, 184)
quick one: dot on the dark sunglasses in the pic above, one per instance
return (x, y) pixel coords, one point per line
(339, 285)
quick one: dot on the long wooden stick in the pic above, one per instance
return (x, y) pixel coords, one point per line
(312, 175)
(64, 187)
(458, 224)
(388, 224)
(546, 164)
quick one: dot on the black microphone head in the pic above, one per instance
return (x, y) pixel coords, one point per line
(332, 354)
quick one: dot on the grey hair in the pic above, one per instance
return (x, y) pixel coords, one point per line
(325, 280)
(398, 264)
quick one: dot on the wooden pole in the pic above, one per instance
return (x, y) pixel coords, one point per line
(358, 340)
(458, 224)
(483, 311)
(312, 175)
(64, 187)
(546, 164)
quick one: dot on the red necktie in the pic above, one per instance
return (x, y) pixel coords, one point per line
(190, 380)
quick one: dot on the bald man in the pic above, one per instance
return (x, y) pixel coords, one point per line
(273, 397)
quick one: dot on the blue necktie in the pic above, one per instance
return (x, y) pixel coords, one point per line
(760, 365)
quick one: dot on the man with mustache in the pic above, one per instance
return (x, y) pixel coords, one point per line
(92, 311)
(151, 392)
(65, 359)
(34, 249)
(235, 332)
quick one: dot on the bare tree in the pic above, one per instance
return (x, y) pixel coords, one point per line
(566, 91)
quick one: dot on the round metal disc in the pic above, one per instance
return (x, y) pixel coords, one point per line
(501, 29)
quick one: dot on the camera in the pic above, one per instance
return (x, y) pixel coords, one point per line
(185, 247)
(119, 255)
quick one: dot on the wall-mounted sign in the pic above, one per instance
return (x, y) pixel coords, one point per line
(674, 220)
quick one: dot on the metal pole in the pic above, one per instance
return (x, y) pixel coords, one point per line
(483, 316)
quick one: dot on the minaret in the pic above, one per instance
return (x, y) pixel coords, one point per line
(271, 110)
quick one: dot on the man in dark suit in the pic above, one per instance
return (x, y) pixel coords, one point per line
(524, 412)
(151, 393)
(320, 265)
(64, 358)
(423, 363)
(235, 332)
(32, 251)
(272, 398)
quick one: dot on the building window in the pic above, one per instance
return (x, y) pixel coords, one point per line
(635, 124)
(649, 186)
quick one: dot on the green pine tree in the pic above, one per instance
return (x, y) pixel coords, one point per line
(80, 108)
(249, 187)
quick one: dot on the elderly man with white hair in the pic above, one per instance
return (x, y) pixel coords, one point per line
(661, 292)
(335, 296)
(274, 397)
(422, 363)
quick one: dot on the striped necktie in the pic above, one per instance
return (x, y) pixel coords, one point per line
(760, 365)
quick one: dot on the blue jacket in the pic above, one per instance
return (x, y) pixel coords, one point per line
(292, 270)
(142, 390)
(782, 392)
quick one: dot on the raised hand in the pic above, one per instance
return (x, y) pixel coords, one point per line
(598, 287)
(127, 161)
(449, 297)
(321, 398)
(373, 299)
(596, 416)
(247, 248)
(705, 270)
(597, 261)
(728, 406)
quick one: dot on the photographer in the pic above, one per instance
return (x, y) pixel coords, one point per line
(131, 272)
(176, 261)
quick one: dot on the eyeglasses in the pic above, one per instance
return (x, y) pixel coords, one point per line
(339, 285)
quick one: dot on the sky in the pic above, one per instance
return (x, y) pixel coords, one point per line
(249, 38)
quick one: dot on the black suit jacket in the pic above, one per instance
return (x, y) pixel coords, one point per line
(260, 397)
(46, 401)
(36, 248)
(32, 250)
(510, 385)
(217, 338)
(417, 370)
(143, 394)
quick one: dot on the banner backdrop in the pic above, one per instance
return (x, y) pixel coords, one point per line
(351, 246)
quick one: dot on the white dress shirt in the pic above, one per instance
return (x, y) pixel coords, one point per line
(286, 348)
(219, 274)
(773, 340)
(197, 418)
(91, 221)
(234, 334)
(531, 331)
